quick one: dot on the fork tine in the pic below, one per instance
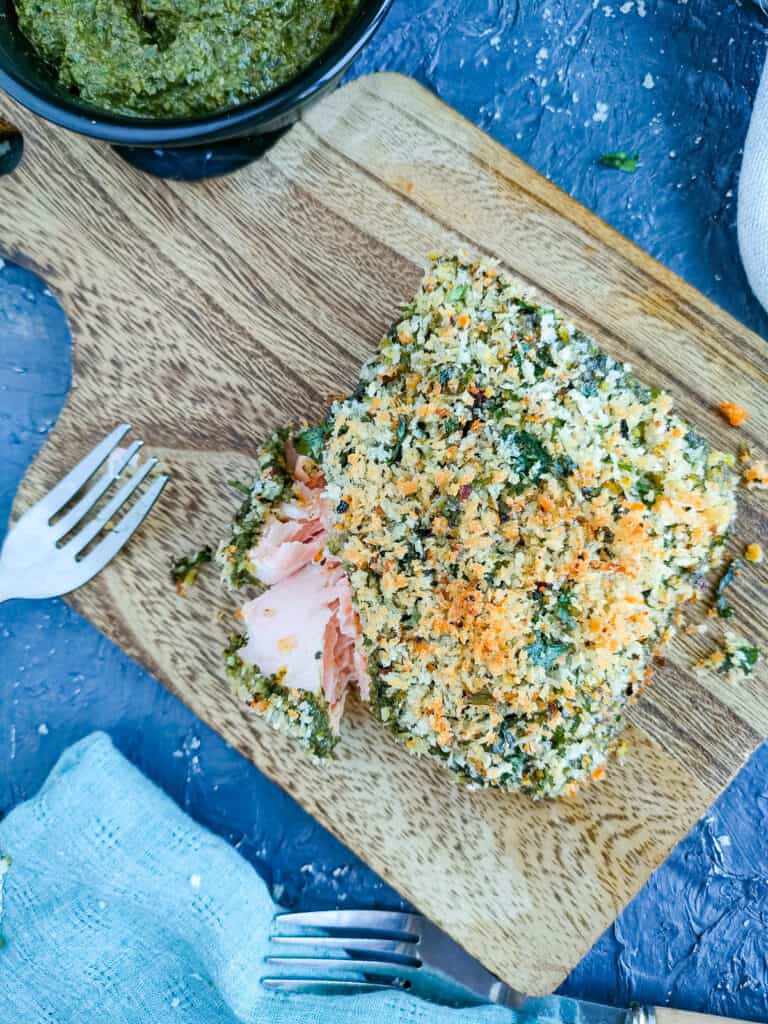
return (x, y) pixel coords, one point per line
(68, 487)
(389, 947)
(326, 986)
(323, 963)
(121, 534)
(357, 920)
(113, 506)
(431, 964)
(73, 517)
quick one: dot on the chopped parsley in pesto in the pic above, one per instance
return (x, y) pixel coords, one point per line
(179, 58)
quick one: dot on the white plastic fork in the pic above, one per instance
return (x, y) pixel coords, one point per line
(37, 560)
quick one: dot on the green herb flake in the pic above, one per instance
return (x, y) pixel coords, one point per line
(645, 489)
(452, 511)
(310, 442)
(530, 459)
(458, 293)
(739, 657)
(483, 698)
(747, 658)
(723, 609)
(563, 466)
(620, 161)
(594, 372)
(184, 571)
(400, 432)
(564, 608)
(545, 652)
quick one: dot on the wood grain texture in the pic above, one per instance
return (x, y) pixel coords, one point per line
(209, 313)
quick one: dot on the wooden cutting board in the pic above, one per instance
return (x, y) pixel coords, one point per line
(208, 313)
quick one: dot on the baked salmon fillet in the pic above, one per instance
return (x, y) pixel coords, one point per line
(492, 535)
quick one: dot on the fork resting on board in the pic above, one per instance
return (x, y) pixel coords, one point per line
(345, 951)
(54, 547)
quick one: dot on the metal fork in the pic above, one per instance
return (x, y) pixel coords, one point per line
(367, 950)
(39, 558)
(364, 950)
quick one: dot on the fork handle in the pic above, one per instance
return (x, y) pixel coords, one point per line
(666, 1015)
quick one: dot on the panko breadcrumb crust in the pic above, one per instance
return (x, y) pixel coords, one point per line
(519, 518)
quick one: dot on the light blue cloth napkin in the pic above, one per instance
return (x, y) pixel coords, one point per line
(118, 908)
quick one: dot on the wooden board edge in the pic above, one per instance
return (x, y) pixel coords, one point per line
(578, 212)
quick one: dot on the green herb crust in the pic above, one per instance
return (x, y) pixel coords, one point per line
(301, 715)
(520, 518)
(297, 713)
(271, 484)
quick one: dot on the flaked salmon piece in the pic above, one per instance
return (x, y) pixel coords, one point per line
(304, 627)
(285, 547)
(334, 682)
(305, 503)
(349, 626)
(286, 627)
(296, 530)
(335, 678)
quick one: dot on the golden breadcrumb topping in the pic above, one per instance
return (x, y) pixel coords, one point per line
(519, 518)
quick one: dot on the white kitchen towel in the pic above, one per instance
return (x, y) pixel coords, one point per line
(753, 196)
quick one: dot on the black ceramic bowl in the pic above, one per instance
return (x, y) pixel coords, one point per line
(25, 77)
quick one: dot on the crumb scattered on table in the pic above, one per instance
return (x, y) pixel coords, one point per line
(735, 414)
(184, 571)
(755, 476)
(754, 553)
(735, 658)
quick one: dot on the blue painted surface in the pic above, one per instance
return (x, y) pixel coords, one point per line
(558, 82)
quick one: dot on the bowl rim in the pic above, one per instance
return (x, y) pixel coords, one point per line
(266, 110)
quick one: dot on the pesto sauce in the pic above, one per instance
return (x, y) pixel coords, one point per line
(179, 58)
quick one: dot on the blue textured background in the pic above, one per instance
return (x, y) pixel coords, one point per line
(559, 83)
